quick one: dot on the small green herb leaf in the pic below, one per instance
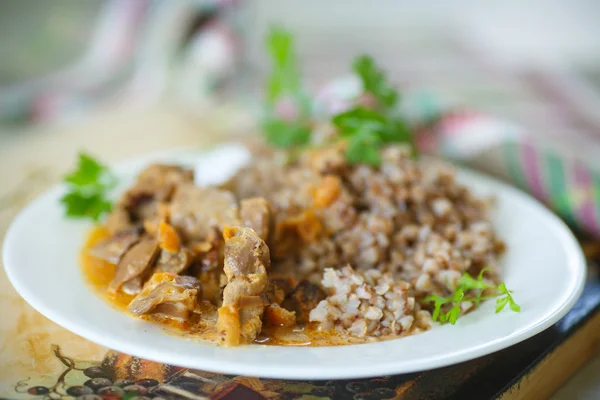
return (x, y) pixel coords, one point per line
(85, 205)
(397, 131)
(89, 172)
(514, 306)
(454, 313)
(285, 76)
(363, 146)
(286, 134)
(469, 284)
(374, 81)
(483, 271)
(285, 84)
(373, 130)
(87, 187)
(438, 302)
(501, 303)
(370, 128)
(350, 121)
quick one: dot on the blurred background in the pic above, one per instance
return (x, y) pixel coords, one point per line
(59, 59)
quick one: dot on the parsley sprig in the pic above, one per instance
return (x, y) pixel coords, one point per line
(87, 187)
(466, 284)
(374, 82)
(367, 129)
(285, 83)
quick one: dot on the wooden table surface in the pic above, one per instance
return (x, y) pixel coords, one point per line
(34, 158)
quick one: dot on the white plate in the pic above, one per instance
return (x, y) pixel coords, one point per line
(544, 266)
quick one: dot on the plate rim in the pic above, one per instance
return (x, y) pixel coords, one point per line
(572, 250)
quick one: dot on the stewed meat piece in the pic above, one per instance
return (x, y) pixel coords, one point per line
(275, 315)
(196, 212)
(255, 213)
(174, 263)
(119, 220)
(136, 262)
(246, 259)
(303, 298)
(163, 175)
(154, 187)
(245, 253)
(113, 248)
(168, 295)
(134, 286)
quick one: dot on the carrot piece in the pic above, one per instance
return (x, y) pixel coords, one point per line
(327, 191)
(167, 238)
(228, 323)
(309, 226)
(229, 232)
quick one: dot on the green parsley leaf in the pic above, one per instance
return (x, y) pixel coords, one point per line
(374, 81)
(363, 129)
(438, 302)
(284, 83)
(469, 284)
(368, 129)
(374, 130)
(483, 271)
(286, 134)
(363, 146)
(88, 171)
(360, 153)
(350, 121)
(285, 75)
(454, 312)
(87, 187)
(397, 131)
(82, 205)
(512, 304)
(501, 303)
